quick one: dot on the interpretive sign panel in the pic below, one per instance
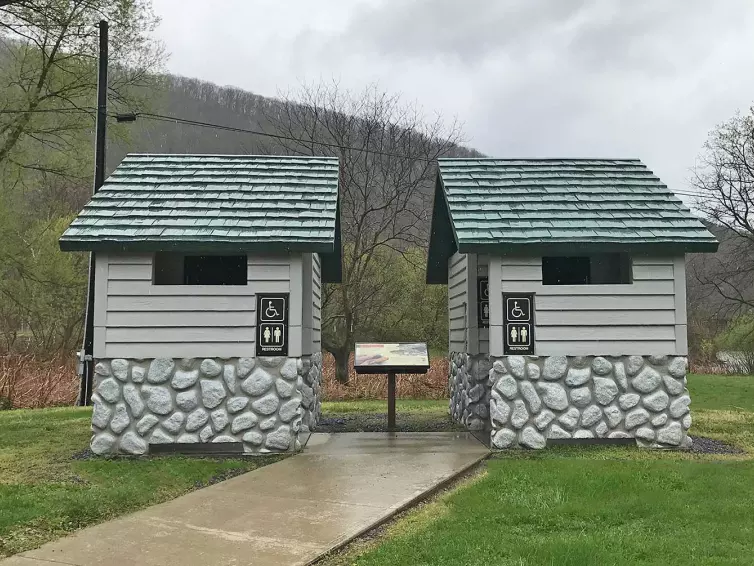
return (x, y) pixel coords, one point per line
(483, 302)
(401, 357)
(518, 323)
(272, 324)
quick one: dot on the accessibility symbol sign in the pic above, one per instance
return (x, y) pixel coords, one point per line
(272, 324)
(483, 302)
(518, 323)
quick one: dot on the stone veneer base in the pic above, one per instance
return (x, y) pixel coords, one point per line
(264, 403)
(526, 400)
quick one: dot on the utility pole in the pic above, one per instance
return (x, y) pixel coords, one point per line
(86, 361)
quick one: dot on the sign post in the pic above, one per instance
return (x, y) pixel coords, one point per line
(401, 357)
(518, 323)
(272, 324)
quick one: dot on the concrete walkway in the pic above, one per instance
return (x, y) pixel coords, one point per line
(287, 513)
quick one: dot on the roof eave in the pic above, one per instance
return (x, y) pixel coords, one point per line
(189, 246)
(575, 247)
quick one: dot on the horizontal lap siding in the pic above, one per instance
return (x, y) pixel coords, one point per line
(640, 318)
(316, 303)
(457, 301)
(146, 320)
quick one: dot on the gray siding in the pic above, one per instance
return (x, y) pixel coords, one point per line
(316, 304)
(646, 317)
(136, 319)
(458, 302)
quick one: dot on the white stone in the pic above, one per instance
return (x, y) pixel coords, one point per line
(131, 443)
(500, 411)
(556, 432)
(137, 374)
(507, 386)
(531, 438)
(280, 439)
(674, 386)
(254, 438)
(220, 419)
(634, 364)
(184, 379)
(628, 401)
(476, 393)
(645, 433)
(647, 381)
(102, 369)
(517, 366)
(160, 437)
(657, 401)
(237, 404)
(680, 406)
(474, 423)
(504, 438)
(687, 442)
(245, 365)
(570, 419)
(146, 423)
(618, 434)
(531, 396)
(196, 420)
(101, 414)
(658, 360)
(266, 405)
(581, 396)
(614, 415)
(258, 383)
(119, 368)
(213, 393)
(273, 361)
(619, 371)
(553, 395)
(223, 438)
(206, 433)
(188, 439)
(660, 419)
(583, 434)
(244, 421)
(601, 366)
(578, 376)
(268, 424)
(601, 429)
(532, 371)
(290, 409)
(109, 390)
(678, 367)
(579, 361)
(187, 400)
(210, 368)
(543, 419)
(102, 443)
(605, 390)
(671, 434)
(284, 389)
(160, 370)
(520, 414)
(555, 367)
(590, 416)
(158, 400)
(133, 398)
(686, 421)
(307, 396)
(499, 367)
(636, 417)
(120, 420)
(174, 423)
(229, 377)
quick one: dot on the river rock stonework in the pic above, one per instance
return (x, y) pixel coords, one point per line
(264, 403)
(532, 399)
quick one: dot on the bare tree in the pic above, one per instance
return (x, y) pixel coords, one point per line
(387, 151)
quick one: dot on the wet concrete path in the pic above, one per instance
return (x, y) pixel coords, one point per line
(287, 513)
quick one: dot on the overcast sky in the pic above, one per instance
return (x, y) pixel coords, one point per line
(527, 78)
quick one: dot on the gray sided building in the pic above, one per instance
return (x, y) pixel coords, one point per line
(187, 248)
(581, 332)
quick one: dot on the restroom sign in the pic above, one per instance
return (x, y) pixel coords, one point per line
(272, 324)
(483, 302)
(518, 323)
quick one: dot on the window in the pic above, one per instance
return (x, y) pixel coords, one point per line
(179, 269)
(595, 269)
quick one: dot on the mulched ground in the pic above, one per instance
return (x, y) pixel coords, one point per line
(703, 445)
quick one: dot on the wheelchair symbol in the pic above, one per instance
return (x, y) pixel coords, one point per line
(517, 312)
(271, 311)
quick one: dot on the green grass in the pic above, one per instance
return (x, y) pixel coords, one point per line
(571, 505)
(437, 407)
(45, 493)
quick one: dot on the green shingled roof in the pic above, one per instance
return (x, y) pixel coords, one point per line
(556, 206)
(218, 203)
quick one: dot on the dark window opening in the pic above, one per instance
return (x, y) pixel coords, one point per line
(595, 269)
(179, 269)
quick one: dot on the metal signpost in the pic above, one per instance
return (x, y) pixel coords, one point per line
(392, 359)
(518, 323)
(483, 302)
(272, 324)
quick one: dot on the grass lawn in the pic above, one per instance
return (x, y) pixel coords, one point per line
(46, 493)
(595, 505)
